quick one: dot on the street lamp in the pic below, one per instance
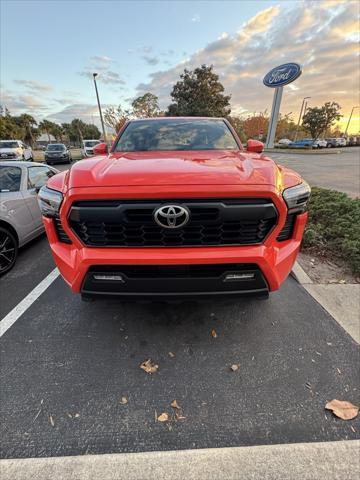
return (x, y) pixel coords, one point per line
(347, 126)
(98, 101)
(300, 117)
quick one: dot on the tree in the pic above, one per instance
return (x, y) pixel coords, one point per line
(92, 131)
(256, 126)
(318, 119)
(115, 117)
(199, 93)
(28, 124)
(50, 128)
(146, 106)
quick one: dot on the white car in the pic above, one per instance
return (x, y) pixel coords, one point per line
(285, 141)
(15, 150)
(341, 141)
(87, 148)
(320, 143)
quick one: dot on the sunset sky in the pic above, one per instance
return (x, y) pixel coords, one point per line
(49, 50)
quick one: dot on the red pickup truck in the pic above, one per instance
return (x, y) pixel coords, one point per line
(177, 208)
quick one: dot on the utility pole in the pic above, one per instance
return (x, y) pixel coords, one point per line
(347, 126)
(98, 101)
(300, 117)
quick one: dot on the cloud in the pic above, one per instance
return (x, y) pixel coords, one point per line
(150, 60)
(84, 111)
(195, 18)
(34, 87)
(18, 104)
(105, 76)
(101, 59)
(308, 32)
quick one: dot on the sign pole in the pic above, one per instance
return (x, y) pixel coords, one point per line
(274, 117)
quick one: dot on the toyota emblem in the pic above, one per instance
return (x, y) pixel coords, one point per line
(171, 216)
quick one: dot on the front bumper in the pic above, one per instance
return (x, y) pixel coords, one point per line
(56, 159)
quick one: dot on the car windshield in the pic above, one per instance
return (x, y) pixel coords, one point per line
(10, 178)
(170, 134)
(91, 143)
(55, 148)
(9, 145)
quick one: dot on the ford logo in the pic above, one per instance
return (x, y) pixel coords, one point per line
(171, 216)
(282, 75)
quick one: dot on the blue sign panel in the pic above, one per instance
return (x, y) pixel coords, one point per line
(282, 75)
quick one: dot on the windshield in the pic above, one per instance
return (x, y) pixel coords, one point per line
(9, 145)
(55, 148)
(170, 134)
(91, 143)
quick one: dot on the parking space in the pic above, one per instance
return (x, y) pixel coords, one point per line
(65, 366)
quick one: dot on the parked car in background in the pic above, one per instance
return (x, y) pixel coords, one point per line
(57, 153)
(319, 143)
(87, 147)
(285, 141)
(15, 150)
(305, 143)
(20, 217)
(336, 142)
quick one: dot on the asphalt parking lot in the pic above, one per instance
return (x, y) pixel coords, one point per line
(65, 366)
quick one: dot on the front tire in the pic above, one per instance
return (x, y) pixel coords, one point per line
(8, 250)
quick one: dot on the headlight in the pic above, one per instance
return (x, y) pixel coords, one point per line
(297, 197)
(49, 201)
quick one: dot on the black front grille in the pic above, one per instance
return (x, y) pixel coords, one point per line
(60, 232)
(287, 230)
(116, 223)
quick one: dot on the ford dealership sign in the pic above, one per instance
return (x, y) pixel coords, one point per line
(282, 75)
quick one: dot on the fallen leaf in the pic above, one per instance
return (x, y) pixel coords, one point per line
(69, 415)
(174, 404)
(123, 401)
(339, 371)
(171, 354)
(342, 281)
(343, 409)
(164, 417)
(235, 367)
(77, 415)
(149, 366)
(52, 421)
(352, 429)
(213, 333)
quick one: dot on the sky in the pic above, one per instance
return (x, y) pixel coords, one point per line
(50, 48)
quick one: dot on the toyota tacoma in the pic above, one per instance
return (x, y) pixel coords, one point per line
(178, 207)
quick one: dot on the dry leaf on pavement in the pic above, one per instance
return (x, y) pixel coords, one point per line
(178, 416)
(123, 401)
(174, 404)
(213, 333)
(235, 367)
(164, 417)
(149, 366)
(171, 354)
(52, 421)
(343, 409)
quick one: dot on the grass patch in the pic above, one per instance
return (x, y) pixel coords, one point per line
(333, 229)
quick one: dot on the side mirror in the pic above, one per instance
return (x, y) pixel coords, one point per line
(254, 146)
(101, 149)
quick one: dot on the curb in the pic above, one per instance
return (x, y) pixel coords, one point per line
(297, 461)
(341, 301)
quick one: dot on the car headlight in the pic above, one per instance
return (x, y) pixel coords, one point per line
(297, 197)
(49, 201)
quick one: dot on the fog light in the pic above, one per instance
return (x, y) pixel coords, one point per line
(110, 278)
(236, 276)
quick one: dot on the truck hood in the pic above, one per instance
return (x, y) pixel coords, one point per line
(220, 167)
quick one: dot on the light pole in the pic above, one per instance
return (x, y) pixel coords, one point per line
(98, 101)
(347, 126)
(300, 117)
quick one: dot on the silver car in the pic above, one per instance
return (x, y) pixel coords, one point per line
(20, 217)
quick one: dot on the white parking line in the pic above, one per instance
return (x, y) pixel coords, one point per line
(21, 307)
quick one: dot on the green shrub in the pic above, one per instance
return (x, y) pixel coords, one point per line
(334, 226)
